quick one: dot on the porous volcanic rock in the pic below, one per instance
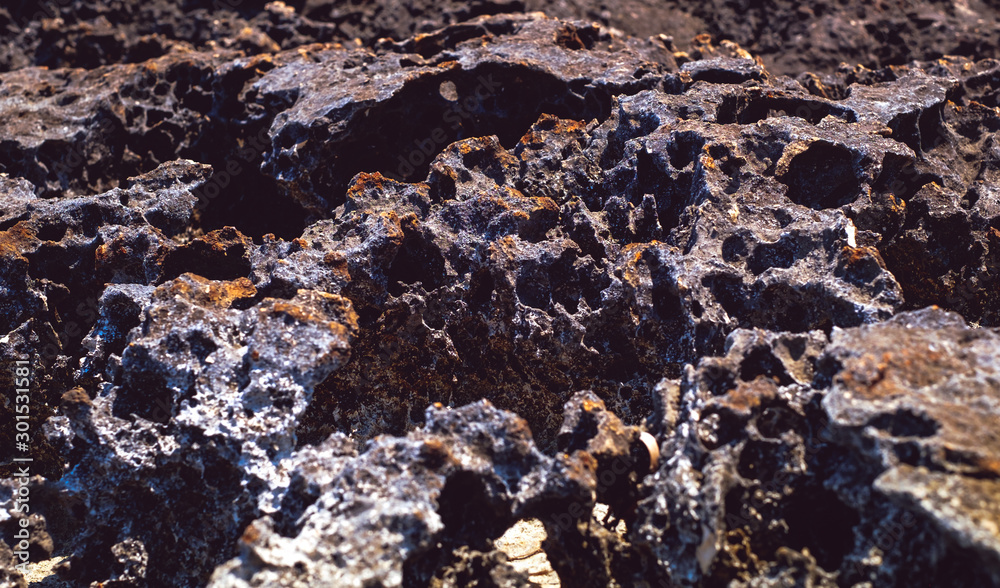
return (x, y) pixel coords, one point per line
(792, 38)
(305, 310)
(833, 461)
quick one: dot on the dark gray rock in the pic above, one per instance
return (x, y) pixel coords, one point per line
(347, 347)
(852, 473)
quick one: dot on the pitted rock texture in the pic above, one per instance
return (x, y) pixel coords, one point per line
(791, 37)
(842, 470)
(305, 310)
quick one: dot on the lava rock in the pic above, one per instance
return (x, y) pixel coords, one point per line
(851, 472)
(309, 310)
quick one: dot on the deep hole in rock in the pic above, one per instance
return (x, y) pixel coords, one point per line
(470, 517)
(251, 202)
(672, 199)
(630, 127)
(788, 309)
(52, 232)
(73, 301)
(820, 521)
(569, 281)
(734, 248)
(822, 176)
(238, 193)
(533, 287)
(668, 306)
(930, 127)
(776, 419)
(219, 255)
(757, 109)
(906, 423)
(761, 460)
(685, 149)
(201, 345)
(781, 254)
(801, 309)
(417, 261)
(900, 177)
(227, 133)
(415, 125)
(481, 289)
(729, 292)
(709, 339)
(762, 362)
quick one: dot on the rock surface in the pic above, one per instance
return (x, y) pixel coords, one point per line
(791, 37)
(335, 295)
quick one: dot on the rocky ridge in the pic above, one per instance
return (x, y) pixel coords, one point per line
(327, 313)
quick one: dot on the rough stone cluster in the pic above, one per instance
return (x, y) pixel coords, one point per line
(311, 311)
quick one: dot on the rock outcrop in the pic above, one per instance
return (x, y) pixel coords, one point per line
(305, 310)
